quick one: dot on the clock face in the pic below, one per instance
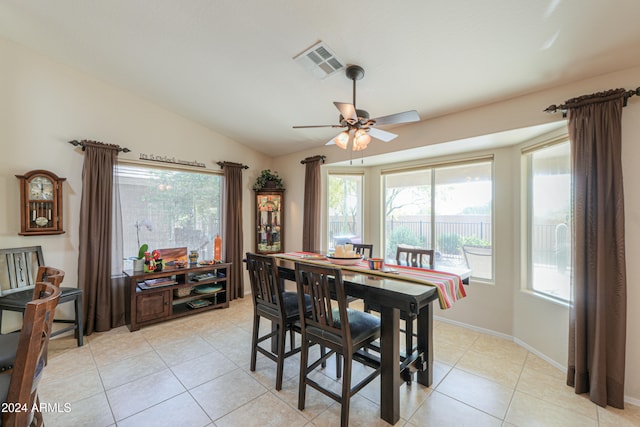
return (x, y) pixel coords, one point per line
(41, 188)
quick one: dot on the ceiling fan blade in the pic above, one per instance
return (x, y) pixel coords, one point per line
(382, 135)
(348, 111)
(317, 126)
(405, 117)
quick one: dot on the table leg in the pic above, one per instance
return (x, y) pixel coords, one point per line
(425, 344)
(390, 360)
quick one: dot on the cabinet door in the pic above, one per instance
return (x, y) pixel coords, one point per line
(151, 306)
(269, 221)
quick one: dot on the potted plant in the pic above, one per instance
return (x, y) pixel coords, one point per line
(268, 180)
(138, 262)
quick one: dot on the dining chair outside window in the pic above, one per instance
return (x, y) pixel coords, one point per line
(19, 267)
(332, 324)
(366, 250)
(274, 304)
(19, 385)
(480, 260)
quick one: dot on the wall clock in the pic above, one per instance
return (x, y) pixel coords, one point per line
(40, 203)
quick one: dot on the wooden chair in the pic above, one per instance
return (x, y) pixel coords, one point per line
(330, 323)
(270, 302)
(366, 250)
(19, 267)
(9, 342)
(18, 386)
(415, 257)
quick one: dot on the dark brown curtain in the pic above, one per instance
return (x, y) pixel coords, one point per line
(233, 237)
(94, 260)
(598, 311)
(312, 204)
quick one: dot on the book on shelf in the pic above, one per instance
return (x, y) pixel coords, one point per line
(199, 303)
(156, 283)
(160, 281)
(204, 276)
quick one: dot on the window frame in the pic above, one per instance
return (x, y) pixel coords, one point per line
(166, 168)
(363, 219)
(431, 169)
(528, 218)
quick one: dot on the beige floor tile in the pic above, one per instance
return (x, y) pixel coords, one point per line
(526, 410)
(70, 389)
(93, 411)
(487, 366)
(202, 369)
(266, 369)
(130, 369)
(362, 413)
(441, 410)
(143, 393)
(266, 410)
(553, 390)
(447, 352)
(315, 402)
(78, 360)
(541, 366)
(227, 393)
(461, 337)
(111, 348)
(183, 349)
(477, 392)
(613, 417)
(500, 349)
(181, 410)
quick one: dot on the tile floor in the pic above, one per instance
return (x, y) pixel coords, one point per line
(194, 371)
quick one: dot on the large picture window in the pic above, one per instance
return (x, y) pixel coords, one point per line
(549, 220)
(168, 208)
(344, 207)
(447, 208)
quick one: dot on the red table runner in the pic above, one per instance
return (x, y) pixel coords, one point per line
(450, 288)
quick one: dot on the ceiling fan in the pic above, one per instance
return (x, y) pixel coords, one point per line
(358, 127)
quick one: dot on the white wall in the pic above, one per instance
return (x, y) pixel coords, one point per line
(45, 104)
(537, 324)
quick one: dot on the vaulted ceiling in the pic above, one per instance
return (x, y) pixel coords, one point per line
(228, 64)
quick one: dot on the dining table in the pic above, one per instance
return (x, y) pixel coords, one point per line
(394, 289)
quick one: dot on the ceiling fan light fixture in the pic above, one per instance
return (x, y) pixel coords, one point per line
(342, 139)
(361, 140)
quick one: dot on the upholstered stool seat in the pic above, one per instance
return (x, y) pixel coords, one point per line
(17, 301)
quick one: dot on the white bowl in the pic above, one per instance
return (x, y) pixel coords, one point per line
(344, 260)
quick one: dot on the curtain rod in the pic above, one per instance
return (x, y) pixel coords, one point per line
(223, 164)
(313, 159)
(563, 107)
(84, 141)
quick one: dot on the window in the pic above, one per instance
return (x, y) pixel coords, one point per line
(444, 207)
(548, 222)
(168, 208)
(344, 210)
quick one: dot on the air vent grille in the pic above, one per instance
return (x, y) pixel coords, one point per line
(320, 60)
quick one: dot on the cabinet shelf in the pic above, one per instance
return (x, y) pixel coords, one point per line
(152, 304)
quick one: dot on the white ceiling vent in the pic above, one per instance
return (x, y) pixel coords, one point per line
(320, 60)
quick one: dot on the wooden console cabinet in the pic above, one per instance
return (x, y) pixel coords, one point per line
(148, 304)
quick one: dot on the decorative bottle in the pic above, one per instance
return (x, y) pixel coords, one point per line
(217, 248)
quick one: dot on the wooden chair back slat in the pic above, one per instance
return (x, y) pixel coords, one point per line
(415, 257)
(18, 267)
